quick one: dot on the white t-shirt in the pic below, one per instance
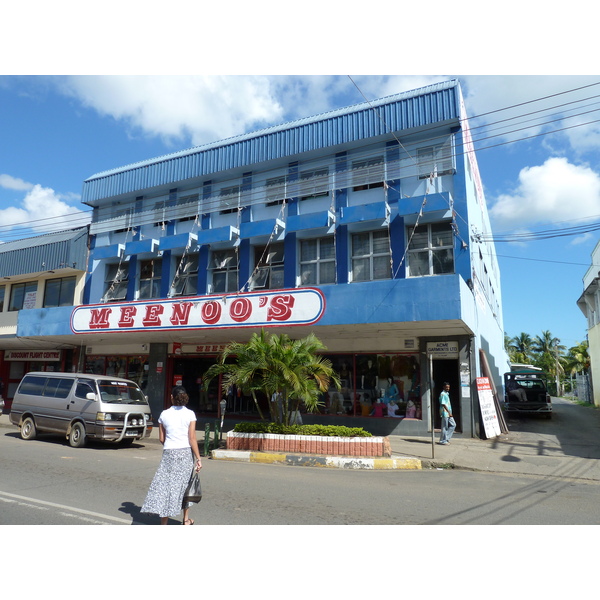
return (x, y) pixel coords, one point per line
(176, 421)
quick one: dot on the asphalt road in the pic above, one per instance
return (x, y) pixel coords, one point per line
(46, 482)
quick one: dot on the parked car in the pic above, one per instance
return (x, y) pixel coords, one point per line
(81, 407)
(526, 391)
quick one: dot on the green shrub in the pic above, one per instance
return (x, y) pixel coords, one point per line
(323, 430)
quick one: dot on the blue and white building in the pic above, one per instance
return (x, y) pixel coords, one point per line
(360, 225)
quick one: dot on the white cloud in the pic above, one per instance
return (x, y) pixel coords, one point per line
(9, 182)
(42, 210)
(540, 104)
(199, 108)
(554, 192)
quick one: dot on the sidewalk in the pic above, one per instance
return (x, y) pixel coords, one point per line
(512, 453)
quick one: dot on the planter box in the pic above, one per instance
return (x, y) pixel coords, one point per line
(309, 444)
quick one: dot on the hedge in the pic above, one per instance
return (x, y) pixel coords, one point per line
(323, 430)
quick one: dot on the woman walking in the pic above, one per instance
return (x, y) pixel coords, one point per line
(177, 434)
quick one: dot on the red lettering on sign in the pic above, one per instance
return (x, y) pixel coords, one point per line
(211, 312)
(99, 319)
(240, 310)
(153, 312)
(127, 314)
(181, 313)
(280, 308)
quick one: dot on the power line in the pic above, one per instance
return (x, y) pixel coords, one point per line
(84, 219)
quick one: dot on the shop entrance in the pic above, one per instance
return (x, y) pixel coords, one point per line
(446, 370)
(190, 373)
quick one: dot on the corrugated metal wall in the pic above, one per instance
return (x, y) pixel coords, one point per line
(439, 102)
(44, 253)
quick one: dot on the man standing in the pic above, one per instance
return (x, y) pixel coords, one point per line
(448, 422)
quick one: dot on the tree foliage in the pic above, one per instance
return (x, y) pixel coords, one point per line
(546, 352)
(288, 372)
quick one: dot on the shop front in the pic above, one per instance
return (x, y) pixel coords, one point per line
(17, 363)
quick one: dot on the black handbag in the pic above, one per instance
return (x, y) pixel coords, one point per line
(193, 491)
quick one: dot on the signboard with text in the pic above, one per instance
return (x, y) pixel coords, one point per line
(488, 409)
(302, 306)
(442, 349)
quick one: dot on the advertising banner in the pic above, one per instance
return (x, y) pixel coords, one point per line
(303, 306)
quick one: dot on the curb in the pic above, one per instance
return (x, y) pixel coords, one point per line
(311, 460)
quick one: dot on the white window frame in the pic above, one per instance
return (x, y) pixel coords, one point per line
(229, 199)
(314, 183)
(153, 281)
(187, 270)
(371, 256)
(318, 261)
(224, 262)
(116, 282)
(268, 262)
(432, 247)
(435, 161)
(368, 173)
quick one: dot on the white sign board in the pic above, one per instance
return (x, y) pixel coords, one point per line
(488, 409)
(442, 349)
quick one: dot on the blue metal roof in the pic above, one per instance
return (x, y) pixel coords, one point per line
(45, 252)
(417, 108)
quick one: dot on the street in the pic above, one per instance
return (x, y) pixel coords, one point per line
(45, 482)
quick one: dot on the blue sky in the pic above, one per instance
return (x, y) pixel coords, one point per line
(59, 129)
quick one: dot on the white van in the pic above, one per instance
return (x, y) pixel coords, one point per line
(80, 407)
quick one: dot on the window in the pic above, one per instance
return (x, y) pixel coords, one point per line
(150, 276)
(435, 160)
(276, 190)
(185, 282)
(2, 294)
(229, 199)
(268, 273)
(224, 269)
(59, 292)
(430, 250)
(314, 184)
(367, 174)
(317, 261)
(371, 256)
(22, 295)
(115, 284)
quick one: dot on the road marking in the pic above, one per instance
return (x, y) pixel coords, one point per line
(62, 507)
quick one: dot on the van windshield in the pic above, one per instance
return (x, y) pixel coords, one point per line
(120, 392)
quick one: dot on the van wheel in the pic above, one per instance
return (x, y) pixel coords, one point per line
(28, 431)
(77, 435)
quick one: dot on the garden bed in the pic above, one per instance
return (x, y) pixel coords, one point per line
(310, 444)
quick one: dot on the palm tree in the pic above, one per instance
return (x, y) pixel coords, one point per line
(276, 364)
(550, 356)
(578, 359)
(520, 349)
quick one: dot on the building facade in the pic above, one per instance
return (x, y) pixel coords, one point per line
(361, 225)
(589, 303)
(40, 274)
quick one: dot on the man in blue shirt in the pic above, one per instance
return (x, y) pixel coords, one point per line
(448, 422)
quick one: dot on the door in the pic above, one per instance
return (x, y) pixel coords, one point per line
(447, 370)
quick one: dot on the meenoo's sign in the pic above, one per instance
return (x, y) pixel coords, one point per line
(302, 306)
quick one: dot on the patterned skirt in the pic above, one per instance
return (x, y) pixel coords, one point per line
(165, 496)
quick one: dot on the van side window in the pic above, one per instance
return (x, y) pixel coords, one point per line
(82, 389)
(58, 388)
(34, 386)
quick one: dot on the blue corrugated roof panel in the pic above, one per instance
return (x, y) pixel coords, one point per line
(418, 108)
(45, 252)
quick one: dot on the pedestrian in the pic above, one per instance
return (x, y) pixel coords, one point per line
(448, 422)
(177, 434)
(514, 389)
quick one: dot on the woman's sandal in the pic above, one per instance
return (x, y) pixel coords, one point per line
(188, 522)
